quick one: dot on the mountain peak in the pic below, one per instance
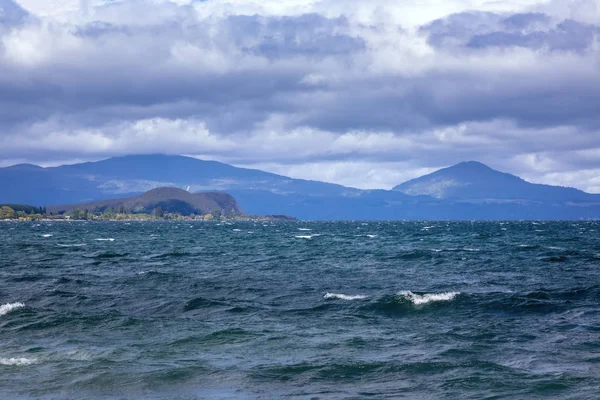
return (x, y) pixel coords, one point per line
(471, 164)
(474, 181)
(25, 166)
(471, 176)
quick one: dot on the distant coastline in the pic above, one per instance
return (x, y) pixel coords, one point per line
(161, 204)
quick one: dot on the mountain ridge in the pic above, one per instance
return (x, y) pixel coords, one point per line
(468, 190)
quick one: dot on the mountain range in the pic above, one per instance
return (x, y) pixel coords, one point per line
(468, 190)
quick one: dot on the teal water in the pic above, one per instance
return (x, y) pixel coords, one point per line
(354, 310)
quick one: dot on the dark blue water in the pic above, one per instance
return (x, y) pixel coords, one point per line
(271, 310)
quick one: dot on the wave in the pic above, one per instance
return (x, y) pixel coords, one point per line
(71, 245)
(6, 308)
(17, 361)
(47, 235)
(201, 302)
(101, 256)
(105, 239)
(420, 299)
(306, 236)
(304, 229)
(342, 296)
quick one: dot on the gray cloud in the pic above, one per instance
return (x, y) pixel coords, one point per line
(12, 14)
(481, 30)
(308, 89)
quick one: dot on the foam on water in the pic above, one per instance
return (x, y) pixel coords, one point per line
(307, 236)
(71, 245)
(105, 239)
(342, 296)
(304, 229)
(17, 361)
(419, 299)
(47, 235)
(6, 308)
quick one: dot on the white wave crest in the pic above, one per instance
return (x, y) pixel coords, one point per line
(6, 308)
(106, 239)
(304, 229)
(47, 235)
(307, 236)
(17, 361)
(71, 245)
(341, 296)
(419, 299)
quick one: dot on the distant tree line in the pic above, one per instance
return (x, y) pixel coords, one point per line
(29, 213)
(22, 212)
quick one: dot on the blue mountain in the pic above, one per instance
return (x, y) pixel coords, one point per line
(475, 181)
(468, 190)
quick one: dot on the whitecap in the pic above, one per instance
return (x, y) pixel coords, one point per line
(304, 229)
(342, 296)
(371, 236)
(47, 235)
(307, 236)
(17, 361)
(6, 308)
(71, 245)
(419, 299)
(237, 230)
(105, 239)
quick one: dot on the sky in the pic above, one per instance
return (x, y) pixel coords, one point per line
(367, 94)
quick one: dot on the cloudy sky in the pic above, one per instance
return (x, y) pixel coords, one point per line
(362, 93)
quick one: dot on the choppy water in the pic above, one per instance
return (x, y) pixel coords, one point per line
(300, 310)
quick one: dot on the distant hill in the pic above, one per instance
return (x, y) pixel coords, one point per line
(467, 190)
(169, 200)
(473, 181)
(133, 175)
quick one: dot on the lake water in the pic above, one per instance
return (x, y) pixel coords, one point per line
(315, 310)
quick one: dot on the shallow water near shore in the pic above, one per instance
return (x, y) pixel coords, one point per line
(328, 310)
